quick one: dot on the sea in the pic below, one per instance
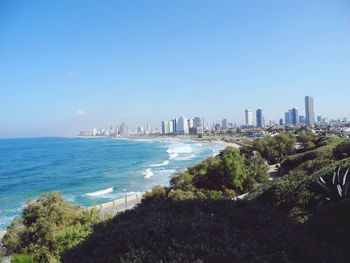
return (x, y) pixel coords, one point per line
(89, 171)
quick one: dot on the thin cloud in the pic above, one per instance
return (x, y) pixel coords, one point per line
(80, 113)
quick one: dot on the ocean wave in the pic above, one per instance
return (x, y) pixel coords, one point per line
(160, 164)
(179, 149)
(5, 221)
(186, 158)
(148, 173)
(101, 192)
(173, 156)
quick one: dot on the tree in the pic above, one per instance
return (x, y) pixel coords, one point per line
(227, 170)
(49, 226)
(273, 148)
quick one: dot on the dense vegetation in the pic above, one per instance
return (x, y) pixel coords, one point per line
(273, 148)
(224, 176)
(48, 227)
(202, 231)
(196, 220)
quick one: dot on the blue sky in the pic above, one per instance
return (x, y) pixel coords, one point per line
(71, 65)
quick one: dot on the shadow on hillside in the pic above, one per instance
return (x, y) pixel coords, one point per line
(203, 231)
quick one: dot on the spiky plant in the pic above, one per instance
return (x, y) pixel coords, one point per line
(334, 188)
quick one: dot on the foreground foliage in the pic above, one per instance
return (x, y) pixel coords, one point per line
(202, 231)
(48, 226)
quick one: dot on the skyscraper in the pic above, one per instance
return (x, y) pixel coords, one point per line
(224, 124)
(248, 117)
(259, 118)
(182, 125)
(309, 111)
(197, 122)
(293, 116)
(287, 118)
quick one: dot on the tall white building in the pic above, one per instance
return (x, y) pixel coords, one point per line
(124, 129)
(309, 111)
(248, 117)
(190, 123)
(167, 127)
(182, 126)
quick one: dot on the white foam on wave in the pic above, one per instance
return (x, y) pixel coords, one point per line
(101, 192)
(186, 158)
(5, 222)
(160, 164)
(173, 155)
(148, 173)
(181, 148)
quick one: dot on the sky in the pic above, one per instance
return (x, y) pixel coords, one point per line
(72, 65)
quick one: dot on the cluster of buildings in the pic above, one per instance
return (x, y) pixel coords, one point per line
(120, 130)
(196, 125)
(183, 126)
(291, 117)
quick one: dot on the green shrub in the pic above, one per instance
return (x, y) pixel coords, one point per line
(273, 148)
(23, 259)
(202, 231)
(319, 155)
(156, 194)
(295, 194)
(342, 150)
(47, 227)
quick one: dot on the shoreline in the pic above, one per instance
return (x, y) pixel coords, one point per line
(184, 139)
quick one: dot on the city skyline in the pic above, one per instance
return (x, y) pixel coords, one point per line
(145, 62)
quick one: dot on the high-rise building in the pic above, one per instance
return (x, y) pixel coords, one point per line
(281, 122)
(167, 127)
(248, 117)
(259, 118)
(148, 129)
(197, 122)
(293, 116)
(124, 128)
(309, 111)
(224, 124)
(301, 119)
(175, 125)
(287, 118)
(182, 127)
(190, 123)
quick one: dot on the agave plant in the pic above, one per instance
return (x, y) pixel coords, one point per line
(334, 188)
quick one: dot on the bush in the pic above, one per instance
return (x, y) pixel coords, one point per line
(273, 148)
(321, 154)
(342, 150)
(47, 227)
(23, 259)
(294, 194)
(156, 194)
(202, 231)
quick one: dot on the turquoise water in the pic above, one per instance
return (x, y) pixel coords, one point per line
(88, 171)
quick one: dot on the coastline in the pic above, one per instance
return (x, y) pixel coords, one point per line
(107, 206)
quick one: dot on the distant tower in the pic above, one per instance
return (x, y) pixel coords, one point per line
(248, 117)
(309, 111)
(224, 123)
(287, 118)
(259, 118)
(293, 116)
(182, 125)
